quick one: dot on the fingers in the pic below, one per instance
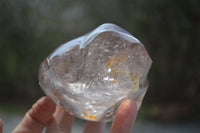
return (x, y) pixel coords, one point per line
(125, 117)
(61, 122)
(94, 127)
(1, 126)
(37, 117)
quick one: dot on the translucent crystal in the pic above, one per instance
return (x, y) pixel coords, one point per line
(90, 76)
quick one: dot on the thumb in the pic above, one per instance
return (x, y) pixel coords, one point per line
(125, 117)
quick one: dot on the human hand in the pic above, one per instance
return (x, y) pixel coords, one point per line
(45, 113)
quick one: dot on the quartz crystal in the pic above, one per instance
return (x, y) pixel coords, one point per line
(90, 76)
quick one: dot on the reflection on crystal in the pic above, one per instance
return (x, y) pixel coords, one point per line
(90, 76)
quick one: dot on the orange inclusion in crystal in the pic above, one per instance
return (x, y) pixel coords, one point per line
(56, 96)
(88, 116)
(134, 78)
(117, 59)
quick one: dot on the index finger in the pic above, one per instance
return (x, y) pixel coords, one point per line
(37, 117)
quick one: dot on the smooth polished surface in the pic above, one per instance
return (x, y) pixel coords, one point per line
(90, 76)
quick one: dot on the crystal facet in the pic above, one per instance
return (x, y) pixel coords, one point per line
(90, 76)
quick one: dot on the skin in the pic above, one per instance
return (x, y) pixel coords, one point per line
(44, 113)
(1, 125)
